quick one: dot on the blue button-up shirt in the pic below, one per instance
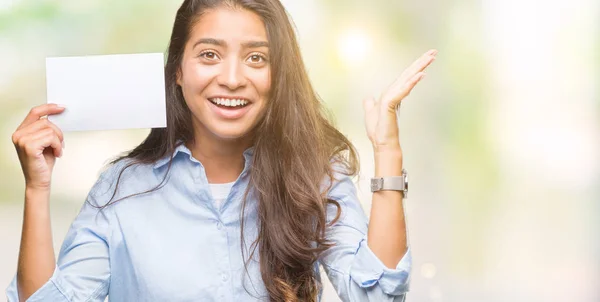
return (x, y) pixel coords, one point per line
(175, 244)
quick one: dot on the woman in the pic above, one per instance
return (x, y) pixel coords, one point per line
(240, 198)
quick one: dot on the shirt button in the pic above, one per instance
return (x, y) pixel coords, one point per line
(224, 277)
(219, 225)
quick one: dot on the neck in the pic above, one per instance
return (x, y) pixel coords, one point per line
(223, 159)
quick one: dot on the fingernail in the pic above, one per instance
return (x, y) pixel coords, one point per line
(61, 106)
(63, 145)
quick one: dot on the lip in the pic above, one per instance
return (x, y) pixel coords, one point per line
(229, 114)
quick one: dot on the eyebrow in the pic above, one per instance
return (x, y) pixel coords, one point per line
(222, 43)
(255, 44)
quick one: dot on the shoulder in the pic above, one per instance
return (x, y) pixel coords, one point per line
(125, 168)
(120, 179)
(340, 183)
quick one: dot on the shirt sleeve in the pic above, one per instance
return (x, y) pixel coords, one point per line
(82, 271)
(356, 273)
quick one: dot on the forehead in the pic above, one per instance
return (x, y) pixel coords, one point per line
(230, 24)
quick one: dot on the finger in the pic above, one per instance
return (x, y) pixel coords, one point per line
(420, 64)
(57, 146)
(43, 139)
(39, 125)
(52, 141)
(368, 104)
(34, 144)
(37, 112)
(405, 90)
(58, 133)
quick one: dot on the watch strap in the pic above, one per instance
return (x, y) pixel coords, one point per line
(393, 183)
(387, 183)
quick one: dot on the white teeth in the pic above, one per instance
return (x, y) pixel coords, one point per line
(229, 102)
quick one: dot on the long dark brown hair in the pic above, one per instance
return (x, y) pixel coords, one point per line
(295, 146)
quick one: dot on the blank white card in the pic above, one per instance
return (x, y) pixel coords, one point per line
(107, 92)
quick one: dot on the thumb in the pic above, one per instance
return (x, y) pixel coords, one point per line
(369, 104)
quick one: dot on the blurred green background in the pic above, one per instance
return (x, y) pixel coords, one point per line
(502, 138)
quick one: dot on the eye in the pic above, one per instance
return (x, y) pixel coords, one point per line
(257, 58)
(209, 55)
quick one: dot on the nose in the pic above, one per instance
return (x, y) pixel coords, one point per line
(232, 75)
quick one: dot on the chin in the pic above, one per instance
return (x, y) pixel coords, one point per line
(230, 132)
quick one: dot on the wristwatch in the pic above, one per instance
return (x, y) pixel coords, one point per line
(391, 183)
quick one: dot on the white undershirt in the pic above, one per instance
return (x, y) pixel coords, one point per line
(220, 192)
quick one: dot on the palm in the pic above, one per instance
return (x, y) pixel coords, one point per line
(380, 115)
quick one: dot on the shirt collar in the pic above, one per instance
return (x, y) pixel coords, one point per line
(181, 148)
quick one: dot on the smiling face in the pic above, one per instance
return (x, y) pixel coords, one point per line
(225, 72)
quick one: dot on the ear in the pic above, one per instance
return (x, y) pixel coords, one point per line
(178, 76)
